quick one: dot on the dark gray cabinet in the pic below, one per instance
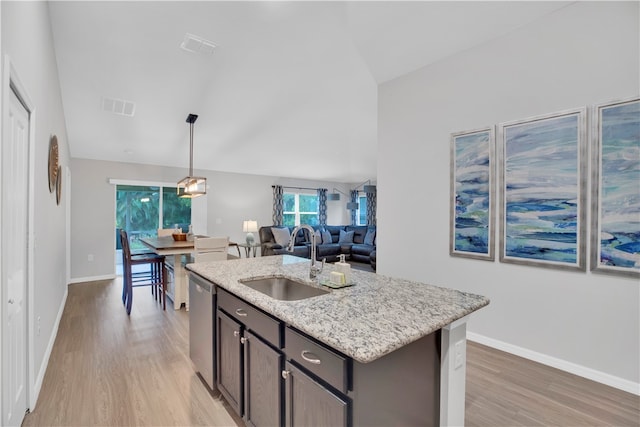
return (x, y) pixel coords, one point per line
(229, 366)
(249, 361)
(263, 385)
(308, 403)
(276, 375)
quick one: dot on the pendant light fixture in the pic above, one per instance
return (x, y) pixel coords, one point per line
(191, 186)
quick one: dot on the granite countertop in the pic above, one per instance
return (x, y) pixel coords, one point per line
(366, 321)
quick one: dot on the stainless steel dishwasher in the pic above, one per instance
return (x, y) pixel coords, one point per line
(202, 301)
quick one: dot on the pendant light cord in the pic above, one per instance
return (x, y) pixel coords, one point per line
(191, 149)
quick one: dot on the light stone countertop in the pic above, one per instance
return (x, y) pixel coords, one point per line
(366, 321)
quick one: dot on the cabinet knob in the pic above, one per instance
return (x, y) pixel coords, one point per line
(236, 333)
(285, 374)
(244, 340)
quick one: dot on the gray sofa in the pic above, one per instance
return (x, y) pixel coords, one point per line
(355, 250)
(269, 246)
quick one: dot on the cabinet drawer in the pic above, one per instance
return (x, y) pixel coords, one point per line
(262, 324)
(316, 358)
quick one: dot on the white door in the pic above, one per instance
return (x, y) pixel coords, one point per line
(15, 176)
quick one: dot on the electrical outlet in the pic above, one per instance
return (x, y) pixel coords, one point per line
(459, 354)
(38, 325)
(90, 257)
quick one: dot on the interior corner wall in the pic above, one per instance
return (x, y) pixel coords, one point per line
(584, 54)
(28, 41)
(231, 198)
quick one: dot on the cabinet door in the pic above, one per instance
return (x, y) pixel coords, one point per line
(307, 403)
(263, 383)
(230, 361)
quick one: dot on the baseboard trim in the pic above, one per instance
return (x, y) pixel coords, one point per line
(37, 385)
(92, 278)
(573, 368)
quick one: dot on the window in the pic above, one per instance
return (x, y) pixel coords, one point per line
(361, 214)
(140, 210)
(175, 210)
(300, 208)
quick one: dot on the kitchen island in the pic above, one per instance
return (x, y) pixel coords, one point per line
(404, 339)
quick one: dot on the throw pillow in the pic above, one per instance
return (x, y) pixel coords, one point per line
(369, 237)
(346, 237)
(281, 235)
(326, 237)
(318, 237)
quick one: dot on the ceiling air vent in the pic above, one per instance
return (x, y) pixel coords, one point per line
(197, 44)
(118, 106)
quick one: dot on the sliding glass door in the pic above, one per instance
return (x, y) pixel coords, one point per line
(141, 209)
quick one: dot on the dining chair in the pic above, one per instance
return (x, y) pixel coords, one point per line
(155, 276)
(164, 232)
(210, 249)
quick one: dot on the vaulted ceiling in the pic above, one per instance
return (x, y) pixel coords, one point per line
(289, 90)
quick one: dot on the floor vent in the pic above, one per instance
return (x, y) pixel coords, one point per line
(119, 106)
(197, 44)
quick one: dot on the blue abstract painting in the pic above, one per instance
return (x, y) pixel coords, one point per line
(472, 188)
(541, 191)
(617, 197)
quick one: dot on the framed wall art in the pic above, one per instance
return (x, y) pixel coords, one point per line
(472, 194)
(543, 190)
(615, 197)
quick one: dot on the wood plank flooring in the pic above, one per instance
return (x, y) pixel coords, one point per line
(109, 369)
(507, 390)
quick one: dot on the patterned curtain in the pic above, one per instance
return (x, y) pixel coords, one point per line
(322, 206)
(278, 205)
(371, 208)
(354, 199)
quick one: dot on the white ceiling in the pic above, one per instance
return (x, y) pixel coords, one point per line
(290, 90)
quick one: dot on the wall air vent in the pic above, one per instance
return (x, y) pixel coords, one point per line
(118, 106)
(197, 44)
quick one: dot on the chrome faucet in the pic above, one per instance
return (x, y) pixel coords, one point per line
(314, 269)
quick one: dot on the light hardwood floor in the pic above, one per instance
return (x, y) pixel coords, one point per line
(109, 369)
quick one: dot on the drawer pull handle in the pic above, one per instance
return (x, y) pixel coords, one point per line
(285, 374)
(236, 333)
(241, 312)
(311, 358)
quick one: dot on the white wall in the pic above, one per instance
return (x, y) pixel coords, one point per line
(231, 198)
(27, 39)
(584, 54)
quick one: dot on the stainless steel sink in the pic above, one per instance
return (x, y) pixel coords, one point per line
(284, 289)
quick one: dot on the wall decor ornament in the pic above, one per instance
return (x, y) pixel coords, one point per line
(543, 190)
(472, 201)
(53, 163)
(615, 196)
(59, 185)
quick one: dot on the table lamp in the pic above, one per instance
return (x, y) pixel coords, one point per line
(250, 227)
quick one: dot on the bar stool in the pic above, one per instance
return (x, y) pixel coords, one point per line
(155, 276)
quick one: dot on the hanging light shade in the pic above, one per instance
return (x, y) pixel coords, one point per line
(369, 188)
(335, 195)
(192, 186)
(352, 206)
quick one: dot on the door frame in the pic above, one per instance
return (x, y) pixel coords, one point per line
(12, 82)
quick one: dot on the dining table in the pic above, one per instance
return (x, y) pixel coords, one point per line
(175, 251)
